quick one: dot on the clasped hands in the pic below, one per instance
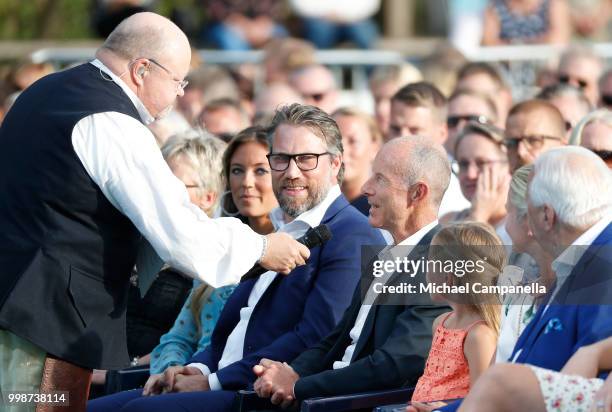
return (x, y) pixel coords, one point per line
(275, 380)
(176, 379)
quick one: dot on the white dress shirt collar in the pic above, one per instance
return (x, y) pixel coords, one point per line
(142, 110)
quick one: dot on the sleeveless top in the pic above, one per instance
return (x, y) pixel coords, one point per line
(517, 27)
(446, 375)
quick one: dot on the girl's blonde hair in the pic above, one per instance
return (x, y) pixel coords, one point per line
(475, 242)
(518, 189)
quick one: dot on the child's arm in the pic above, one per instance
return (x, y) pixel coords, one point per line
(479, 350)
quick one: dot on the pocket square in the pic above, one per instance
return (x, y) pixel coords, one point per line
(553, 325)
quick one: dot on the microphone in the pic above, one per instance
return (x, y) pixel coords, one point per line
(315, 236)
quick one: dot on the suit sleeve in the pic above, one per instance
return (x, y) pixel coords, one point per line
(336, 278)
(399, 361)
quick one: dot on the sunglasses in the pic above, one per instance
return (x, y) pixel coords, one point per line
(566, 79)
(453, 121)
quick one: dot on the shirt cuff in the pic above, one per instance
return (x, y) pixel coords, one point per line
(214, 383)
(201, 367)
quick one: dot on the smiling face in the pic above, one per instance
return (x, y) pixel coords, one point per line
(296, 190)
(387, 193)
(250, 180)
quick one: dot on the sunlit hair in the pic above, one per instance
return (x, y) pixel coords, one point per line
(473, 241)
(488, 131)
(203, 153)
(423, 94)
(518, 189)
(369, 120)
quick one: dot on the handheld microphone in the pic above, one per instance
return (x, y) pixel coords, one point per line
(315, 236)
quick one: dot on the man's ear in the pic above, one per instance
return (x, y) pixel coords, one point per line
(418, 192)
(549, 216)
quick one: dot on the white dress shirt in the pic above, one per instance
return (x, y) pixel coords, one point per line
(453, 199)
(354, 334)
(121, 156)
(233, 351)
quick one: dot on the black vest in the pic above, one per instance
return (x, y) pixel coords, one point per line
(65, 251)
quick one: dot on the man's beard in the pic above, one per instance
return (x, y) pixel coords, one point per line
(294, 207)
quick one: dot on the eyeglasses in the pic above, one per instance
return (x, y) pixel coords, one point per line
(453, 121)
(463, 166)
(304, 161)
(530, 142)
(605, 155)
(181, 84)
(566, 79)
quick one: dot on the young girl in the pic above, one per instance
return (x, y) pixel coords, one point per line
(464, 339)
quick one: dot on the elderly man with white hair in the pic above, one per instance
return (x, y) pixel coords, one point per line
(570, 214)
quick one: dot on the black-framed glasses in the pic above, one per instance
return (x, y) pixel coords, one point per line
(462, 166)
(180, 83)
(453, 121)
(566, 79)
(529, 141)
(279, 162)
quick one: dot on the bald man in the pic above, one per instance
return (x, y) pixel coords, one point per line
(533, 127)
(83, 181)
(317, 86)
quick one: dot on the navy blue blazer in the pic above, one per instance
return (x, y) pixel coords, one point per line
(580, 314)
(298, 310)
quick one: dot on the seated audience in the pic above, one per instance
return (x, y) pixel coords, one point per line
(532, 127)
(581, 68)
(243, 24)
(377, 346)
(571, 221)
(282, 56)
(246, 171)
(481, 165)
(270, 98)
(464, 339)
(223, 118)
(384, 82)
(570, 101)
(526, 21)
(317, 86)
(519, 308)
(465, 106)
(420, 109)
(361, 140)
(487, 79)
(272, 316)
(595, 133)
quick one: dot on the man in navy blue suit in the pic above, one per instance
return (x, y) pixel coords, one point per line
(275, 317)
(570, 214)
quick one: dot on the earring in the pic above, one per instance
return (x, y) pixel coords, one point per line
(222, 204)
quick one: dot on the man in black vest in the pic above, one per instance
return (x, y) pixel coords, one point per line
(82, 181)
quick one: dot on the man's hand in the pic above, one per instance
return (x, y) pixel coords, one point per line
(164, 383)
(275, 380)
(191, 383)
(153, 385)
(283, 253)
(424, 407)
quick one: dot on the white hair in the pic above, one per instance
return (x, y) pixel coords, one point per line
(575, 183)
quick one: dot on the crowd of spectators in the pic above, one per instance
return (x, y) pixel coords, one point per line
(428, 164)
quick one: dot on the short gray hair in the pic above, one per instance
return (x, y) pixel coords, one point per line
(575, 183)
(428, 162)
(204, 152)
(317, 121)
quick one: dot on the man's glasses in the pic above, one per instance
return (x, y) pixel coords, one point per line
(453, 121)
(462, 166)
(566, 79)
(181, 84)
(304, 161)
(530, 142)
